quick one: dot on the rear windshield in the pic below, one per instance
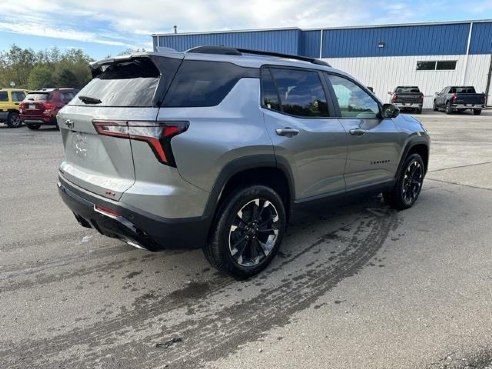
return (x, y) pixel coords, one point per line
(463, 90)
(129, 83)
(36, 96)
(407, 89)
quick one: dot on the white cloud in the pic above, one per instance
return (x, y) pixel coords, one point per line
(127, 22)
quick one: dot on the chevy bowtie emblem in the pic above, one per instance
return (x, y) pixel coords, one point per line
(69, 123)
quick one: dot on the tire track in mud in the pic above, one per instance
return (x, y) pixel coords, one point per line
(209, 330)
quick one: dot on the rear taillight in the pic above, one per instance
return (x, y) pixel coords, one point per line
(421, 97)
(454, 97)
(394, 97)
(49, 106)
(158, 135)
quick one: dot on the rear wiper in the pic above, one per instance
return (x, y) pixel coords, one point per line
(90, 100)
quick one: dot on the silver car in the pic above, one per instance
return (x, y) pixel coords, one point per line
(218, 148)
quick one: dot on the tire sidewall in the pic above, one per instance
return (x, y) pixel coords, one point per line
(227, 212)
(399, 188)
(10, 119)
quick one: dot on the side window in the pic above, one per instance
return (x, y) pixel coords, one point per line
(269, 95)
(66, 97)
(353, 101)
(301, 92)
(204, 83)
(18, 96)
(4, 96)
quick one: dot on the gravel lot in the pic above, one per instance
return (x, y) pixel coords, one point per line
(361, 286)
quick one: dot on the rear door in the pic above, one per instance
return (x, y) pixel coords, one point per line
(373, 143)
(122, 91)
(303, 129)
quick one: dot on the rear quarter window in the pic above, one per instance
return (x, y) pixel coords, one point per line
(205, 83)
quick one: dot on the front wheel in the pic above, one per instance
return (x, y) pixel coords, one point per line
(477, 111)
(248, 231)
(408, 185)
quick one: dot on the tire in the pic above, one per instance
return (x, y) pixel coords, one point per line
(418, 111)
(33, 126)
(248, 232)
(449, 109)
(408, 185)
(13, 120)
(477, 111)
(434, 106)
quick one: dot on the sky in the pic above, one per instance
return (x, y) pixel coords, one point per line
(102, 28)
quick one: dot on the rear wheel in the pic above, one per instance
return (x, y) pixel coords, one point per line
(418, 111)
(13, 120)
(248, 231)
(449, 109)
(408, 185)
(477, 111)
(33, 126)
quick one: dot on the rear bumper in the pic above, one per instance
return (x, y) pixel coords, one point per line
(132, 226)
(408, 105)
(38, 119)
(467, 106)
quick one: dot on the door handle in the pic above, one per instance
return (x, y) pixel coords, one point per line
(287, 131)
(357, 132)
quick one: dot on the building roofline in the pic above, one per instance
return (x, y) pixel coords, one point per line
(229, 31)
(328, 28)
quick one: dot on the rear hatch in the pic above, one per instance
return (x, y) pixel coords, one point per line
(35, 103)
(124, 89)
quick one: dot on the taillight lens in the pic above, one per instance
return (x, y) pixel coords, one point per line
(158, 135)
(421, 97)
(393, 99)
(49, 106)
(454, 97)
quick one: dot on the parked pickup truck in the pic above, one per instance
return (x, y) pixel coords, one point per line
(407, 98)
(459, 98)
(9, 106)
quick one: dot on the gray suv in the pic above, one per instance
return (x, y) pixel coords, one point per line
(218, 148)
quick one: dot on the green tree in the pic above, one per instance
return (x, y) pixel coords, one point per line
(66, 78)
(41, 76)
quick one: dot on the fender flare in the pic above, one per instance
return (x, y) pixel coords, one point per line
(239, 165)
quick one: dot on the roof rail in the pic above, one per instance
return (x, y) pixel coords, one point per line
(223, 50)
(287, 56)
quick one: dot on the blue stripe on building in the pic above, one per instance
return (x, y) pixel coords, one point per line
(401, 40)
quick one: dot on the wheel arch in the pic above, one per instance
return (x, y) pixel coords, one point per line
(415, 147)
(256, 169)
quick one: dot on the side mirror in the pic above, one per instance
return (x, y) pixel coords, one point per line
(390, 111)
(390, 93)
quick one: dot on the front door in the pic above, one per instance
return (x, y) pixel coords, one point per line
(373, 143)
